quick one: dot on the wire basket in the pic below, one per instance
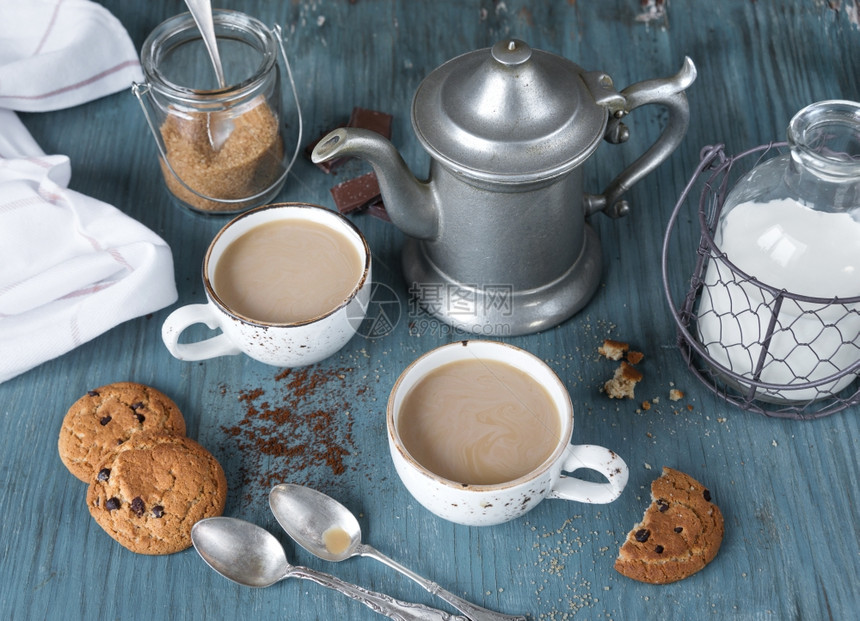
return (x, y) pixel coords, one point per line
(762, 349)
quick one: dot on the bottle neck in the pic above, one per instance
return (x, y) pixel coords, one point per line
(824, 171)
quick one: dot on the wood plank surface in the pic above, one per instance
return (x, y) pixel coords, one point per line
(788, 489)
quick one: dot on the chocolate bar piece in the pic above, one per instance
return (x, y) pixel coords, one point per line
(377, 210)
(379, 122)
(360, 194)
(355, 194)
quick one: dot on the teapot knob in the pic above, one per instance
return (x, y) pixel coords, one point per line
(511, 52)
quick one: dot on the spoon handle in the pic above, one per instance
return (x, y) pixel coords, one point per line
(201, 13)
(472, 611)
(378, 602)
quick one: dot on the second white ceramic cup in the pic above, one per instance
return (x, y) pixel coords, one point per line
(484, 505)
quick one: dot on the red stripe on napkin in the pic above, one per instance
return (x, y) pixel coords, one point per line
(49, 28)
(72, 87)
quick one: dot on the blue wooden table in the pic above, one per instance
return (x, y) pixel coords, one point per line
(788, 489)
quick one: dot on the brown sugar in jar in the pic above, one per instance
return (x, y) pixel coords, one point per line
(248, 162)
(221, 146)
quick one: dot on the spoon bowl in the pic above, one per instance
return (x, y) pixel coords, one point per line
(240, 551)
(317, 522)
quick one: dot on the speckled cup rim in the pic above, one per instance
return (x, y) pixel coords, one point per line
(488, 350)
(295, 210)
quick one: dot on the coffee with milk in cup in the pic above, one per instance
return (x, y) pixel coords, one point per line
(281, 305)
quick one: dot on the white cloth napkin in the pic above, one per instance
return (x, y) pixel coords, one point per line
(57, 54)
(71, 266)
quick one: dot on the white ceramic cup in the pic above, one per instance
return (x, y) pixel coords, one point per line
(278, 344)
(484, 505)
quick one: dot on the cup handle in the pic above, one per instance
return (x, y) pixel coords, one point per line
(592, 457)
(186, 316)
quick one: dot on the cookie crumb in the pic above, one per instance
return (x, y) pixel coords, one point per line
(623, 383)
(613, 350)
(675, 395)
(635, 357)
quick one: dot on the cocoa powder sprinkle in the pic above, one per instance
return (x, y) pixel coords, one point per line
(289, 434)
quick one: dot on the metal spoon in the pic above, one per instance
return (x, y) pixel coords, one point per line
(201, 11)
(251, 556)
(327, 529)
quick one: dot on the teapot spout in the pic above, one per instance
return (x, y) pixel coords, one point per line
(409, 203)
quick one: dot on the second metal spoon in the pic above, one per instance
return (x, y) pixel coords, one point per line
(251, 556)
(327, 529)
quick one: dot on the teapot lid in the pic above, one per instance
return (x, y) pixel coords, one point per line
(510, 113)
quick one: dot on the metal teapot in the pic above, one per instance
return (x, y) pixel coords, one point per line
(497, 238)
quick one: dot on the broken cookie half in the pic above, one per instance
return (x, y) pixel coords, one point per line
(680, 533)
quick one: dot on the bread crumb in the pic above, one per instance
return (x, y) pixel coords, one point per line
(623, 383)
(646, 405)
(613, 350)
(635, 357)
(675, 395)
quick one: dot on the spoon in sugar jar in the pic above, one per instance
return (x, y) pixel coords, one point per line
(328, 530)
(218, 125)
(251, 556)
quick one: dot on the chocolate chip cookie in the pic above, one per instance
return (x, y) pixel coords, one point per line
(680, 533)
(108, 416)
(150, 490)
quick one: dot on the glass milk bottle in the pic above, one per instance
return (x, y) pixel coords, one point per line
(781, 298)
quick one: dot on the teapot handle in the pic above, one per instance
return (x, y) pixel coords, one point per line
(668, 92)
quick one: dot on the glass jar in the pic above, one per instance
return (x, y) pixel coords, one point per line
(221, 149)
(781, 296)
